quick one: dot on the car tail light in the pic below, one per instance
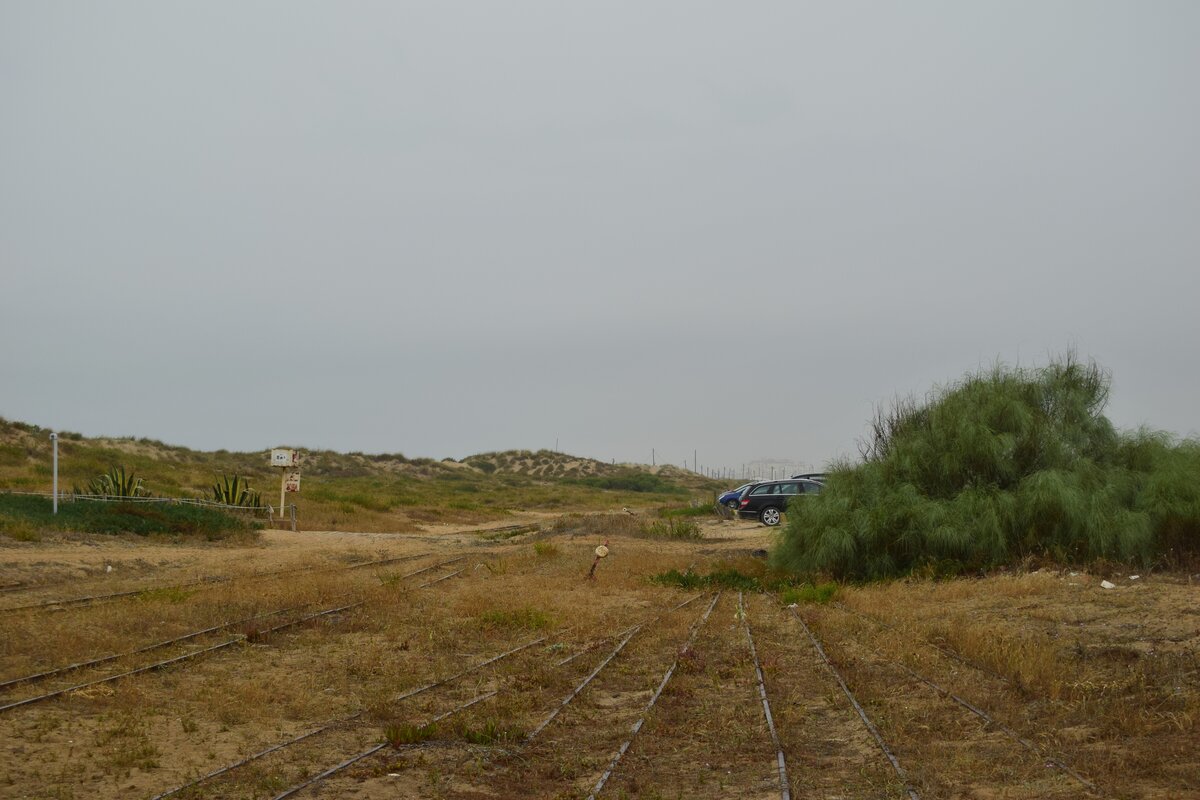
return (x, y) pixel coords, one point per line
(745, 502)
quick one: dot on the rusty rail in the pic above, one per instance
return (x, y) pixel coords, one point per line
(784, 787)
(170, 661)
(637, 726)
(912, 794)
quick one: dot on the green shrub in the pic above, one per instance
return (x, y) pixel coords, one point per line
(20, 530)
(1005, 465)
(115, 483)
(236, 491)
(143, 519)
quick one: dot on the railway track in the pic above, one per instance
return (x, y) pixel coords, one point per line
(209, 581)
(112, 596)
(340, 721)
(862, 714)
(784, 785)
(189, 656)
(662, 756)
(637, 726)
(330, 771)
(95, 662)
(370, 751)
(330, 724)
(986, 718)
(160, 665)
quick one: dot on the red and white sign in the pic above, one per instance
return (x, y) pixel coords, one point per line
(291, 481)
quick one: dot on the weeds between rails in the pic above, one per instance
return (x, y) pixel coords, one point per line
(990, 721)
(559, 707)
(637, 726)
(373, 750)
(883, 746)
(191, 655)
(340, 720)
(95, 662)
(529, 738)
(631, 632)
(98, 661)
(170, 661)
(489, 534)
(99, 598)
(399, 698)
(762, 692)
(704, 738)
(984, 716)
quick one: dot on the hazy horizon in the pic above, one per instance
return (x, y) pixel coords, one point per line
(442, 229)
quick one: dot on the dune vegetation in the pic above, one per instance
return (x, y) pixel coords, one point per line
(347, 491)
(1005, 465)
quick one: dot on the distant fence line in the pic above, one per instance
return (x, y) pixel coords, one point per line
(268, 511)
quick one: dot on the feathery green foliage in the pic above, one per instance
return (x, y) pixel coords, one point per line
(1006, 464)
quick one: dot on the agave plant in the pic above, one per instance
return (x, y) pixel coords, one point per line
(117, 483)
(236, 491)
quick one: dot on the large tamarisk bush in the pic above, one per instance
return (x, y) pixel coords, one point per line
(1006, 464)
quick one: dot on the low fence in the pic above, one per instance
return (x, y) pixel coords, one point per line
(285, 515)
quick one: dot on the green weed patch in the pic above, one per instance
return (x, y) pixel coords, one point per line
(719, 579)
(819, 593)
(523, 618)
(26, 514)
(406, 733)
(492, 732)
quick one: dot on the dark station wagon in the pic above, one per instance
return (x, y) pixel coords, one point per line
(767, 501)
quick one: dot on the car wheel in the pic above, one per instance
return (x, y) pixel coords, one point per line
(769, 516)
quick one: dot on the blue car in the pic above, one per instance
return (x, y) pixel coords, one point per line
(730, 498)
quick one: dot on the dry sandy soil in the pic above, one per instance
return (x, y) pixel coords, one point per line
(1083, 691)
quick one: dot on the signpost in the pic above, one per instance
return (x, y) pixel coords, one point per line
(289, 462)
(54, 439)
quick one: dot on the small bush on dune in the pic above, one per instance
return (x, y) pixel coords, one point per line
(629, 480)
(673, 528)
(1007, 464)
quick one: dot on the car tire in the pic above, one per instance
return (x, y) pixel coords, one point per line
(769, 516)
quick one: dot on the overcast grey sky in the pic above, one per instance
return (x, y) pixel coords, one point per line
(442, 228)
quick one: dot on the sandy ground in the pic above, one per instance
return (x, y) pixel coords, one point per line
(1105, 681)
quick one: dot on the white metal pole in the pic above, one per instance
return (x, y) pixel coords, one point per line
(54, 441)
(282, 486)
